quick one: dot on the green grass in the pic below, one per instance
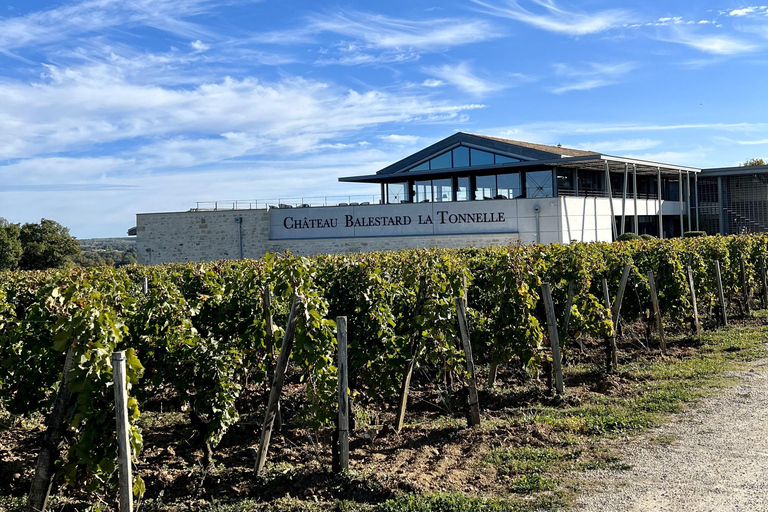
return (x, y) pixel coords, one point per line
(458, 502)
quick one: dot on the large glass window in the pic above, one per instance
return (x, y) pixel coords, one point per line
(538, 184)
(423, 191)
(421, 167)
(461, 157)
(508, 186)
(462, 188)
(441, 162)
(442, 190)
(477, 157)
(485, 187)
(501, 159)
(397, 193)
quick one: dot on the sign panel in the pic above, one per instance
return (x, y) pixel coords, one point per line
(405, 219)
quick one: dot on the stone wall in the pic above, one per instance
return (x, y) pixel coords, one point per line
(214, 235)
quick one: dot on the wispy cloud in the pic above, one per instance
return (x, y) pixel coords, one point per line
(590, 75)
(552, 18)
(90, 16)
(719, 44)
(379, 31)
(462, 77)
(86, 107)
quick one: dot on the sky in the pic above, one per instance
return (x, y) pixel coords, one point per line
(110, 108)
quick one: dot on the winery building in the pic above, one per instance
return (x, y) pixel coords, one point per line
(465, 190)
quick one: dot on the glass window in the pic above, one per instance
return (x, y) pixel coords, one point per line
(478, 157)
(508, 186)
(565, 182)
(397, 193)
(461, 157)
(485, 187)
(462, 188)
(501, 159)
(423, 191)
(441, 162)
(420, 167)
(538, 184)
(442, 190)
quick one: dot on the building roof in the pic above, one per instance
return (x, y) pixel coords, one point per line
(558, 150)
(529, 156)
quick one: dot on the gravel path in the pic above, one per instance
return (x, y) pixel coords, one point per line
(712, 458)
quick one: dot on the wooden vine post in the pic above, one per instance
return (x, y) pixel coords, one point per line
(554, 340)
(696, 323)
(277, 385)
(266, 301)
(764, 276)
(657, 312)
(721, 294)
(39, 491)
(474, 402)
(343, 426)
(616, 309)
(745, 288)
(125, 477)
(611, 359)
(145, 286)
(567, 318)
(416, 342)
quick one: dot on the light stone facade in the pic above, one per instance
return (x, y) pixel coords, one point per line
(207, 235)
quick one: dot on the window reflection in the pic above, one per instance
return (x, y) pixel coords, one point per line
(461, 157)
(508, 186)
(538, 184)
(442, 190)
(478, 157)
(423, 191)
(462, 188)
(441, 162)
(397, 193)
(485, 187)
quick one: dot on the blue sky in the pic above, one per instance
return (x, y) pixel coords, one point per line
(109, 108)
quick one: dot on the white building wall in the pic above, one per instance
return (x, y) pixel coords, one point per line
(213, 235)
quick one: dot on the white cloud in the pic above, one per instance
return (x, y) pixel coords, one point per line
(76, 108)
(590, 75)
(380, 31)
(559, 20)
(408, 140)
(462, 77)
(743, 12)
(45, 27)
(199, 46)
(716, 45)
(432, 82)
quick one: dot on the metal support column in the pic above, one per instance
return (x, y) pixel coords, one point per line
(658, 194)
(688, 197)
(624, 199)
(634, 190)
(610, 198)
(696, 197)
(576, 183)
(720, 205)
(680, 193)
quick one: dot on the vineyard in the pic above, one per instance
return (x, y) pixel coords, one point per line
(202, 340)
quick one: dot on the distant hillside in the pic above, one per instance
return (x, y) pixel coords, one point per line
(106, 252)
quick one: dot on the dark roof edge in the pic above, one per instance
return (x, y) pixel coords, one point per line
(738, 170)
(478, 140)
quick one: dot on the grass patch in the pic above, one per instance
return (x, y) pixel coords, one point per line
(458, 502)
(523, 460)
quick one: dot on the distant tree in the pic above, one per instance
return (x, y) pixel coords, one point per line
(752, 162)
(47, 245)
(10, 245)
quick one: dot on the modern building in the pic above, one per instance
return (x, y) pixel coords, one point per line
(733, 200)
(465, 190)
